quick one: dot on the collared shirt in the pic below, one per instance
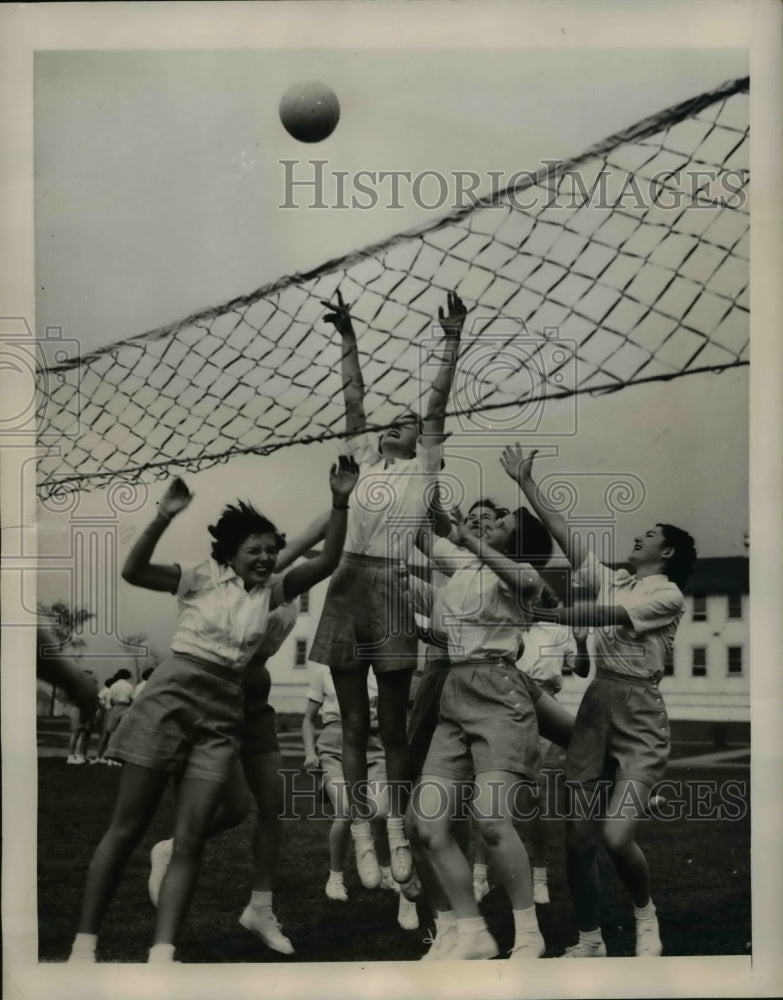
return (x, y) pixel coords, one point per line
(321, 690)
(219, 620)
(653, 603)
(121, 692)
(389, 503)
(546, 647)
(481, 617)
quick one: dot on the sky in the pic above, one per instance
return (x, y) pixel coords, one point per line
(157, 191)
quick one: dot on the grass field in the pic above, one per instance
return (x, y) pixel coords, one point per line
(700, 869)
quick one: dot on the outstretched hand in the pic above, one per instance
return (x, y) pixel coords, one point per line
(176, 498)
(340, 316)
(343, 476)
(460, 530)
(516, 465)
(453, 321)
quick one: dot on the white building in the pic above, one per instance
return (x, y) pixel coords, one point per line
(707, 679)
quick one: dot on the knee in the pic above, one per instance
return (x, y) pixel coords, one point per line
(429, 834)
(356, 729)
(494, 831)
(581, 839)
(392, 733)
(617, 837)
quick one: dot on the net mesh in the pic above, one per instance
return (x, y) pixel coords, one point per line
(627, 264)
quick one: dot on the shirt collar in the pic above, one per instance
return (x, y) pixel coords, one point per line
(226, 573)
(656, 578)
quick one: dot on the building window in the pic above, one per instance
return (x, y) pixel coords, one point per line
(304, 603)
(735, 659)
(735, 606)
(301, 653)
(668, 663)
(699, 661)
(699, 608)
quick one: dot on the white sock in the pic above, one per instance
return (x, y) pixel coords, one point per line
(644, 912)
(261, 899)
(480, 872)
(539, 874)
(335, 876)
(161, 953)
(525, 920)
(395, 830)
(85, 943)
(361, 831)
(444, 921)
(471, 925)
(591, 937)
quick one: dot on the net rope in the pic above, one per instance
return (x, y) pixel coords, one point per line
(618, 267)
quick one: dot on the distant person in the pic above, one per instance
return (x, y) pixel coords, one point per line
(53, 666)
(81, 725)
(146, 674)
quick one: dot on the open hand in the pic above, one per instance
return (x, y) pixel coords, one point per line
(342, 477)
(459, 527)
(340, 316)
(453, 321)
(519, 467)
(175, 499)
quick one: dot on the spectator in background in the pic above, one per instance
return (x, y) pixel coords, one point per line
(104, 704)
(140, 686)
(82, 721)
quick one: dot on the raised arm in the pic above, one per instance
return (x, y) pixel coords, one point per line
(342, 480)
(586, 614)
(353, 383)
(299, 546)
(521, 579)
(138, 569)
(451, 324)
(579, 662)
(520, 469)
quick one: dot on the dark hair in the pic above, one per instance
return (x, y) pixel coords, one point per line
(122, 675)
(489, 502)
(680, 565)
(236, 523)
(548, 598)
(146, 673)
(529, 540)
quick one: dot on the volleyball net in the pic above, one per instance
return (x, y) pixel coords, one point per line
(627, 264)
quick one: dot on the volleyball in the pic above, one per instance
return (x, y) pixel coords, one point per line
(309, 111)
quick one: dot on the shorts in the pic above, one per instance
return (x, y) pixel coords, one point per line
(426, 708)
(329, 747)
(259, 735)
(188, 718)
(114, 717)
(367, 618)
(621, 732)
(487, 722)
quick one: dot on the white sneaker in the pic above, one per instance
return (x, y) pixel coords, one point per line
(71, 759)
(79, 759)
(480, 888)
(648, 938)
(264, 924)
(478, 945)
(540, 893)
(529, 944)
(442, 945)
(401, 861)
(160, 858)
(367, 864)
(82, 955)
(584, 949)
(407, 915)
(335, 889)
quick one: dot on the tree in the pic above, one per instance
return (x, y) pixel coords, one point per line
(65, 622)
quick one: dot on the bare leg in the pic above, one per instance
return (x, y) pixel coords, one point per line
(137, 799)
(197, 800)
(263, 776)
(619, 833)
(354, 701)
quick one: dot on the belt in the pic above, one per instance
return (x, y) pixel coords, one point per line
(611, 675)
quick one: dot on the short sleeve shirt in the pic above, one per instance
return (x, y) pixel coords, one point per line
(321, 690)
(546, 647)
(121, 693)
(482, 619)
(389, 503)
(219, 620)
(653, 603)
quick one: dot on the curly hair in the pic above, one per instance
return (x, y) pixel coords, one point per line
(529, 541)
(680, 565)
(238, 522)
